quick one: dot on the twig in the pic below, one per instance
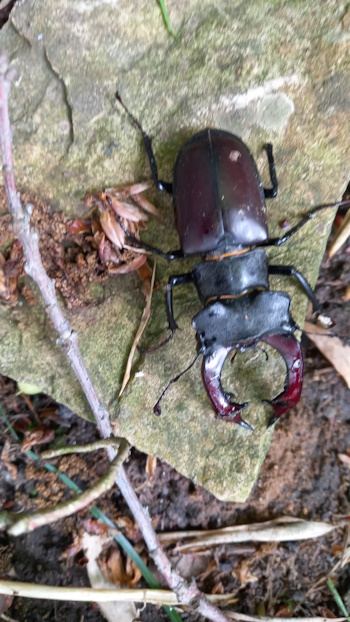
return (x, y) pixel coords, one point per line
(281, 529)
(98, 595)
(143, 323)
(186, 592)
(28, 522)
(81, 449)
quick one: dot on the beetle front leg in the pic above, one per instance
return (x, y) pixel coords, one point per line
(211, 374)
(180, 279)
(290, 349)
(147, 141)
(271, 193)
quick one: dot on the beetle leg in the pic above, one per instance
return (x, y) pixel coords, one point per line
(180, 279)
(271, 193)
(291, 271)
(178, 254)
(211, 373)
(147, 141)
(291, 351)
(311, 214)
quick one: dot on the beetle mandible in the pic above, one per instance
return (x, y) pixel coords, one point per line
(220, 216)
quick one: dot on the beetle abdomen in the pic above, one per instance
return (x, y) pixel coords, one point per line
(218, 194)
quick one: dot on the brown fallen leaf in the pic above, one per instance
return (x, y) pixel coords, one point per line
(341, 236)
(346, 296)
(125, 611)
(345, 459)
(38, 437)
(332, 348)
(151, 465)
(113, 569)
(243, 574)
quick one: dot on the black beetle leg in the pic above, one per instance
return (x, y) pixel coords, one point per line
(293, 230)
(271, 193)
(178, 254)
(291, 271)
(147, 141)
(180, 279)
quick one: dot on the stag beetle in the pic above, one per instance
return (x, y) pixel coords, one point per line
(220, 215)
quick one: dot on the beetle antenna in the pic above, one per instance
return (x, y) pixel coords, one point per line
(131, 116)
(157, 409)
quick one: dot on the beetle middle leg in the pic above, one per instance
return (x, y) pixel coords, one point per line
(291, 271)
(271, 193)
(180, 279)
(299, 225)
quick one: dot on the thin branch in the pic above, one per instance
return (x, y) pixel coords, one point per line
(98, 595)
(186, 592)
(81, 449)
(28, 522)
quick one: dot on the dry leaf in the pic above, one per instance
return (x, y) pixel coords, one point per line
(341, 236)
(124, 611)
(284, 612)
(151, 465)
(325, 612)
(345, 459)
(112, 566)
(218, 588)
(346, 296)
(332, 348)
(211, 567)
(38, 437)
(243, 574)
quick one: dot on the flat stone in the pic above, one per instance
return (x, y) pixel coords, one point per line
(267, 72)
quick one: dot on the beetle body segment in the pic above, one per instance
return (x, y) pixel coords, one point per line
(218, 194)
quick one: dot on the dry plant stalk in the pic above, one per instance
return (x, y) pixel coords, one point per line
(186, 592)
(286, 528)
(89, 594)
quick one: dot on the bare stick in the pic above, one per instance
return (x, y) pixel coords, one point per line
(98, 595)
(81, 449)
(186, 592)
(24, 523)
